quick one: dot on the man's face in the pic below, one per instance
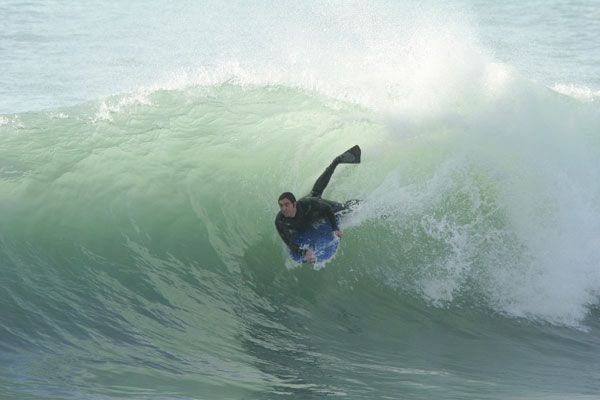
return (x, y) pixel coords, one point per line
(288, 209)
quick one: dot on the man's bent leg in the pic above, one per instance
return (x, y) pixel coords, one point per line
(342, 208)
(336, 207)
(321, 183)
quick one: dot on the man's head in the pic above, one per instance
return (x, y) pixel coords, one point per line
(287, 204)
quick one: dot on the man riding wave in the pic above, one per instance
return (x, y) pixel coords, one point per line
(297, 216)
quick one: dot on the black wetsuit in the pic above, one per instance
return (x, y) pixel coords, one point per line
(309, 210)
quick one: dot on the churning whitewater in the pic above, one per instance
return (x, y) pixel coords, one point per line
(138, 253)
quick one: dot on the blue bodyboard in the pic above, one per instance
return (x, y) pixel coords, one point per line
(319, 239)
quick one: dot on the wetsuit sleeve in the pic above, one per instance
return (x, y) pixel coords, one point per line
(327, 212)
(332, 220)
(286, 236)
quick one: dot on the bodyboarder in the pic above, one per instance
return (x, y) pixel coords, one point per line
(297, 216)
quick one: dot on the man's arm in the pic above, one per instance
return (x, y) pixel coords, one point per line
(326, 211)
(286, 236)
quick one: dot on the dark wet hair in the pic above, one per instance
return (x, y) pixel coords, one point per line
(287, 195)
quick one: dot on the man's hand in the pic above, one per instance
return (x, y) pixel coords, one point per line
(309, 257)
(338, 234)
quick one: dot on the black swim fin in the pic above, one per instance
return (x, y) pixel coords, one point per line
(350, 156)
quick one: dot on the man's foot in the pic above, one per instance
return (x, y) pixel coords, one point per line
(351, 156)
(349, 206)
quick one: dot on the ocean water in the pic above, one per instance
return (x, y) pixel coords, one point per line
(143, 146)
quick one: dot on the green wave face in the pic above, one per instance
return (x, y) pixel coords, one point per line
(138, 242)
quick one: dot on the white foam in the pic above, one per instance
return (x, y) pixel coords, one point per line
(582, 93)
(500, 201)
(116, 103)
(414, 58)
